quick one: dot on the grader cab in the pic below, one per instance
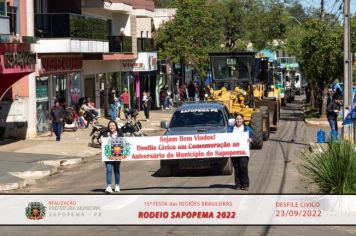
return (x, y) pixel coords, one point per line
(239, 82)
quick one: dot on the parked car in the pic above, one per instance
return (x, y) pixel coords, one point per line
(198, 118)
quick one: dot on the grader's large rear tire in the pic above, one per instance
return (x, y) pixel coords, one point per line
(265, 115)
(256, 126)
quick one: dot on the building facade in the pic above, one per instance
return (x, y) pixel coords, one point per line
(82, 48)
(17, 64)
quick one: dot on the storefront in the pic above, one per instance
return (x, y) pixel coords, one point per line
(103, 76)
(60, 79)
(16, 61)
(100, 77)
(141, 77)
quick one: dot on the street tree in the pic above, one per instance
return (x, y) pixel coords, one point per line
(165, 3)
(318, 49)
(266, 22)
(191, 35)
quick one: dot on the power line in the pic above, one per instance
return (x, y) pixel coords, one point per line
(312, 5)
(339, 10)
(331, 11)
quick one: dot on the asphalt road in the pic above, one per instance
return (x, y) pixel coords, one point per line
(271, 170)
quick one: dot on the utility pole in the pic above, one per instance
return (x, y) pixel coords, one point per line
(348, 130)
(322, 12)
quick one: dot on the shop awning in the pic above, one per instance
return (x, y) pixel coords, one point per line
(7, 80)
(16, 61)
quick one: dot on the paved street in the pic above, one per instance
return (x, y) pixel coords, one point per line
(272, 170)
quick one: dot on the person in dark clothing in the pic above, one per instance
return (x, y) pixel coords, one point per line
(241, 163)
(161, 98)
(191, 91)
(112, 103)
(308, 93)
(56, 117)
(332, 113)
(146, 104)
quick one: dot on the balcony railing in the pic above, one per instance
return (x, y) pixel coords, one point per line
(119, 43)
(145, 45)
(69, 25)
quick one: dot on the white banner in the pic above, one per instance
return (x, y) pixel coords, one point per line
(178, 209)
(146, 61)
(175, 147)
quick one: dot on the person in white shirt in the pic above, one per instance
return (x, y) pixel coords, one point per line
(241, 163)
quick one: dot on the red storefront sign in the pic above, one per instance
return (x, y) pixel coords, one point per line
(61, 63)
(16, 59)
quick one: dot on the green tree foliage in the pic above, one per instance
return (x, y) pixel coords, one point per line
(165, 3)
(232, 17)
(353, 34)
(204, 26)
(192, 35)
(296, 10)
(266, 23)
(318, 48)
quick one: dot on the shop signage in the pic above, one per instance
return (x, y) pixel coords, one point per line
(61, 63)
(145, 62)
(17, 62)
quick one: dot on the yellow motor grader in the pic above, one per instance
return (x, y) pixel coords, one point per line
(240, 82)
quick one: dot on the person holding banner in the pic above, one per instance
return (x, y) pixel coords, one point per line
(241, 163)
(113, 132)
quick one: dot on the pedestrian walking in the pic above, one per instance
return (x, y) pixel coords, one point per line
(112, 166)
(332, 114)
(112, 102)
(56, 117)
(191, 91)
(162, 97)
(168, 99)
(125, 99)
(308, 92)
(146, 105)
(119, 104)
(241, 163)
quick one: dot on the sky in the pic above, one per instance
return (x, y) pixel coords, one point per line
(330, 5)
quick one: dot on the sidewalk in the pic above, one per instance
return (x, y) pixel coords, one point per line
(25, 161)
(321, 122)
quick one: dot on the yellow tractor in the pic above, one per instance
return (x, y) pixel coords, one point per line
(239, 82)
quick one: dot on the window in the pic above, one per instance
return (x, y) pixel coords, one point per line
(40, 6)
(11, 13)
(3, 8)
(198, 118)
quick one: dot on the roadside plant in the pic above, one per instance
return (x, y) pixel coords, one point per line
(331, 167)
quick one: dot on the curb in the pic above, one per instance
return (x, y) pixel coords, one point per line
(62, 162)
(321, 123)
(31, 176)
(316, 147)
(12, 186)
(34, 175)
